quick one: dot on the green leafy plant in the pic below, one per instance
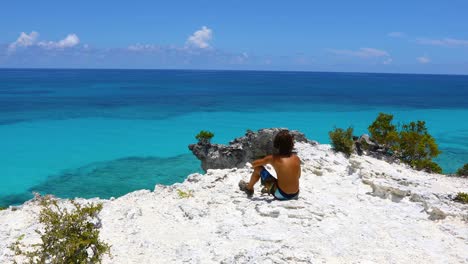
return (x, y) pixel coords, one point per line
(342, 140)
(427, 165)
(204, 136)
(417, 147)
(461, 197)
(184, 194)
(463, 171)
(383, 132)
(2, 208)
(69, 235)
(413, 144)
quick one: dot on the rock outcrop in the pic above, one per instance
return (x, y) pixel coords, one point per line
(241, 150)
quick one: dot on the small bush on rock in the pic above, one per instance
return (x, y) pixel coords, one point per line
(69, 235)
(383, 132)
(184, 194)
(204, 136)
(462, 198)
(463, 171)
(413, 144)
(427, 165)
(342, 140)
(417, 147)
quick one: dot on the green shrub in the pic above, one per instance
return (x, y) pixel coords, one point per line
(413, 145)
(204, 136)
(68, 235)
(184, 194)
(383, 132)
(462, 197)
(427, 165)
(342, 140)
(463, 171)
(417, 147)
(2, 208)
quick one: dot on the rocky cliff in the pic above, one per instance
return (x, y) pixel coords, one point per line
(241, 150)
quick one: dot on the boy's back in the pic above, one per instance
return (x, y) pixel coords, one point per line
(288, 170)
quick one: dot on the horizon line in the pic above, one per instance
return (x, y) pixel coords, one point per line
(225, 70)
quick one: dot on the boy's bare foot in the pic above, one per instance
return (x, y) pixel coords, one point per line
(243, 187)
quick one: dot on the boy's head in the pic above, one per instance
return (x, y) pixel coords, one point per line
(284, 142)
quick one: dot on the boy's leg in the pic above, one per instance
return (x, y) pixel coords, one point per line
(248, 187)
(254, 177)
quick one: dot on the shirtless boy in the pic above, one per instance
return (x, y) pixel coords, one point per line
(287, 166)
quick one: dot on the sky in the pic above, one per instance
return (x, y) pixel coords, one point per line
(351, 36)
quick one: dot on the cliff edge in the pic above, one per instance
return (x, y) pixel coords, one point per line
(356, 210)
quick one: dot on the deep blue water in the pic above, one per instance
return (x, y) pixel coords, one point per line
(108, 132)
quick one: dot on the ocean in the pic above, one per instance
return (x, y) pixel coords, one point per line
(104, 133)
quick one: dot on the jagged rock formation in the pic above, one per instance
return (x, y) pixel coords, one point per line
(241, 150)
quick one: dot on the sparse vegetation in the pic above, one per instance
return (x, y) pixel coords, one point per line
(461, 197)
(342, 140)
(2, 208)
(463, 171)
(69, 235)
(412, 144)
(204, 136)
(428, 166)
(417, 147)
(184, 194)
(383, 132)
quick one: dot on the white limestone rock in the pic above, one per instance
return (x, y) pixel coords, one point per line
(357, 210)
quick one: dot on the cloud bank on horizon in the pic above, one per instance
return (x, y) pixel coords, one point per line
(366, 36)
(423, 59)
(28, 50)
(365, 53)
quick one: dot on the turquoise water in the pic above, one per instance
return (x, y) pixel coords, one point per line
(106, 133)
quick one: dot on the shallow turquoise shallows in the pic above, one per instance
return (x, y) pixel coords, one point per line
(105, 133)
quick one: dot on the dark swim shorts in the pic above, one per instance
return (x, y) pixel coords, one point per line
(276, 191)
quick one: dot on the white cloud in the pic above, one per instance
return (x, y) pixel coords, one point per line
(27, 40)
(396, 34)
(365, 53)
(200, 38)
(362, 53)
(240, 58)
(69, 41)
(143, 47)
(447, 42)
(24, 40)
(423, 59)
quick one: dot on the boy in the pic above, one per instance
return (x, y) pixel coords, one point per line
(287, 166)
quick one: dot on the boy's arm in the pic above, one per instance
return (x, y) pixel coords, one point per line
(262, 162)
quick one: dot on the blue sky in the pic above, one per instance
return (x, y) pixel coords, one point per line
(366, 36)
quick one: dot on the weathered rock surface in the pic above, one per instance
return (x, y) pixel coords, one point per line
(356, 210)
(241, 150)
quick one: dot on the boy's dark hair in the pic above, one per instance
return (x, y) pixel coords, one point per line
(284, 142)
